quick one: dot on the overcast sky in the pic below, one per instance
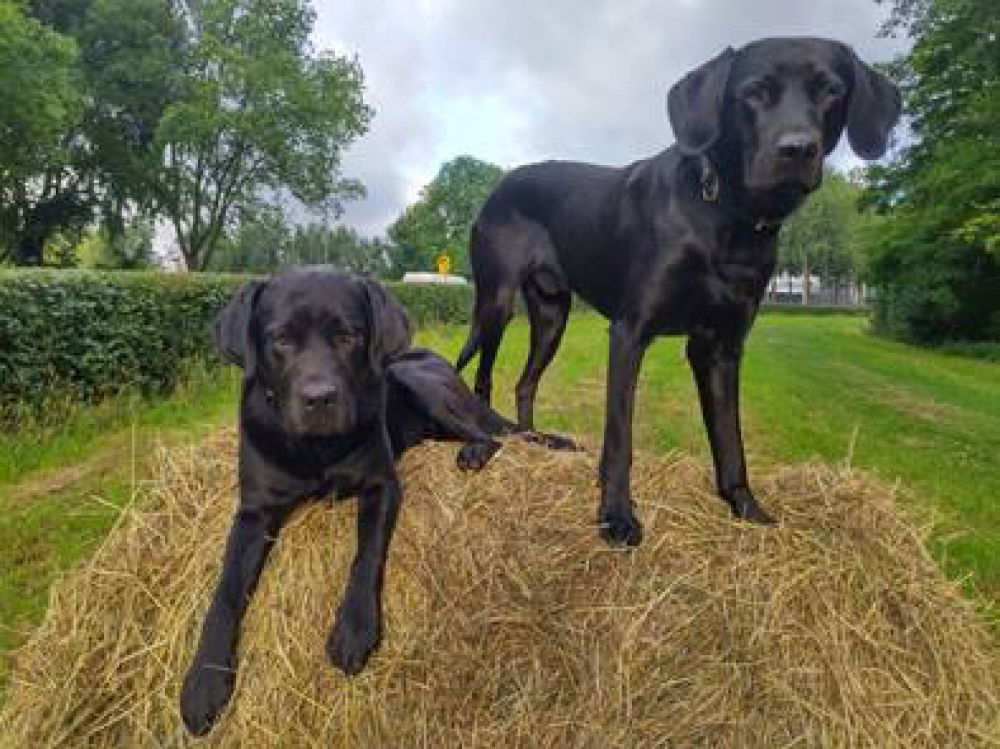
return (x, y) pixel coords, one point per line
(515, 81)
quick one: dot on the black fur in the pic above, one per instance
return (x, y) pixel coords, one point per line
(332, 395)
(681, 243)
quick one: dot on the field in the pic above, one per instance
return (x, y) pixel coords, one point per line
(814, 387)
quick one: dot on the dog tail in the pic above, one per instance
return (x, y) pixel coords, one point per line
(472, 344)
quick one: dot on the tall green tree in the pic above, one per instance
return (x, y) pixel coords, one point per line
(132, 55)
(935, 257)
(40, 104)
(440, 220)
(822, 237)
(129, 51)
(257, 111)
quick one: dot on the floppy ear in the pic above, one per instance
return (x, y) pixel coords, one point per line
(232, 328)
(872, 112)
(389, 330)
(694, 104)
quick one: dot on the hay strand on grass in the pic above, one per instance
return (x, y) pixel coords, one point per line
(508, 624)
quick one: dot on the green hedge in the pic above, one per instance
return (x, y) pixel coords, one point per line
(85, 335)
(79, 335)
(435, 304)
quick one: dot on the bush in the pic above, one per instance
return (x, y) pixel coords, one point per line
(435, 304)
(85, 335)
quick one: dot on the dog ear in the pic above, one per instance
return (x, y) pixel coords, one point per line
(694, 104)
(389, 330)
(873, 110)
(232, 328)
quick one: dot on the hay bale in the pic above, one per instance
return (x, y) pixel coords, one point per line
(508, 624)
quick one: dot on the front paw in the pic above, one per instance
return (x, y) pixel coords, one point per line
(355, 637)
(745, 507)
(206, 691)
(620, 526)
(475, 455)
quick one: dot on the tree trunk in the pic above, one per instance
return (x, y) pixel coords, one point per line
(805, 281)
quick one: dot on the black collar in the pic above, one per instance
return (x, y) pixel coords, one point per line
(711, 192)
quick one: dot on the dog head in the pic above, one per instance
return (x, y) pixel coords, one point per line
(317, 341)
(771, 111)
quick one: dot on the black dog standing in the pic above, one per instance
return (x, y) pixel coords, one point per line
(682, 243)
(332, 395)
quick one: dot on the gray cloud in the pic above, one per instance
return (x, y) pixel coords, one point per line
(521, 80)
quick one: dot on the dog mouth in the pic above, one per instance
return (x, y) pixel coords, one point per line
(331, 423)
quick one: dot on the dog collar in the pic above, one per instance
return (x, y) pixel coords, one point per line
(711, 192)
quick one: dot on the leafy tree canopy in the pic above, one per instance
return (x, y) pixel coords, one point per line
(256, 109)
(935, 254)
(822, 237)
(40, 102)
(440, 220)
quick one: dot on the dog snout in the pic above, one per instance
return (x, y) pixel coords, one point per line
(798, 146)
(319, 396)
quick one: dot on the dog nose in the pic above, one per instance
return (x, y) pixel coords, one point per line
(318, 396)
(798, 147)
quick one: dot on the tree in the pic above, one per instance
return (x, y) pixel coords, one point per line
(442, 217)
(820, 238)
(105, 163)
(132, 54)
(935, 259)
(131, 248)
(267, 244)
(257, 110)
(41, 104)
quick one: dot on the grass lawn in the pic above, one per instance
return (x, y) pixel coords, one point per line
(814, 387)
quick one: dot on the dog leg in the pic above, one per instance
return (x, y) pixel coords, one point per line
(716, 367)
(495, 313)
(358, 628)
(616, 516)
(209, 682)
(548, 318)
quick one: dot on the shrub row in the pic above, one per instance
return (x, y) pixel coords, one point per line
(78, 335)
(85, 335)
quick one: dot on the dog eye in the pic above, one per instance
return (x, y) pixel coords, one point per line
(760, 93)
(347, 337)
(829, 88)
(281, 339)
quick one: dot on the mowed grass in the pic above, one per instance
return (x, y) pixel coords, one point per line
(814, 387)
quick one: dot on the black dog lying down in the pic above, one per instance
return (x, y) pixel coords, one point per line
(332, 395)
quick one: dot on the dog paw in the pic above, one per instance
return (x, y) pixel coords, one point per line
(354, 638)
(620, 528)
(205, 693)
(745, 507)
(753, 513)
(475, 455)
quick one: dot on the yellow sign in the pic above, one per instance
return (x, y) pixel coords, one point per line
(443, 264)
